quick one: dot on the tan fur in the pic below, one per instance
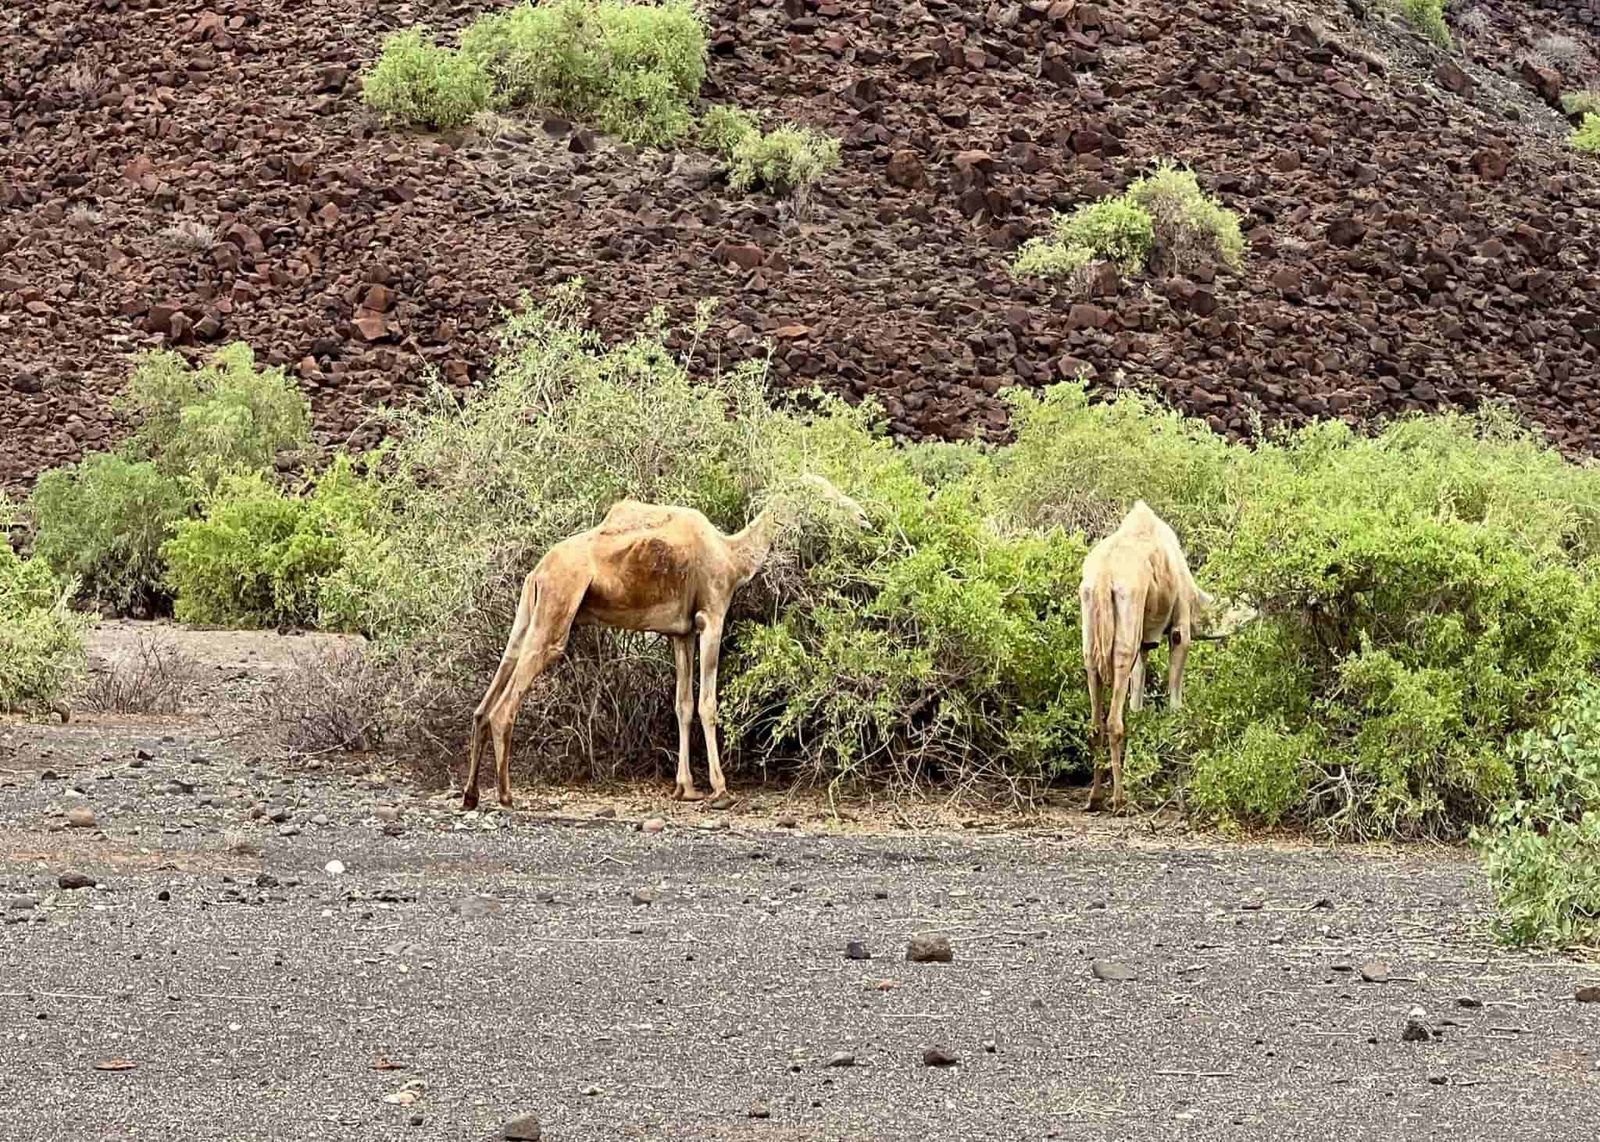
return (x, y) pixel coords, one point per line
(644, 567)
(1136, 590)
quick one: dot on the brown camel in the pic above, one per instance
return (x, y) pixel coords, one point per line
(646, 567)
(1136, 590)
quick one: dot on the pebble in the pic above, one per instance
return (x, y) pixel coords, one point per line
(1375, 971)
(606, 814)
(21, 903)
(474, 906)
(74, 880)
(1589, 993)
(841, 1059)
(929, 949)
(1468, 1001)
(80, 817)
(386, 813)
(760, 1110)
(334, 868)
(938, 1057)
(1112, 970)
(856, 950)
(1416, 1030)
(321, 820)
(644, 896)
(653, 825)
(524, 1129)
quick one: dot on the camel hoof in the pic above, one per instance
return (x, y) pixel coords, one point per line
(505, 802)
(723, 800)
(469, 800)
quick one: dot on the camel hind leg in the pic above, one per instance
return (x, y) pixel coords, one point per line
(497, 686)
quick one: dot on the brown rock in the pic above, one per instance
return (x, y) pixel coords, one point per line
(905, 169)
(929, 948)
(370, 326)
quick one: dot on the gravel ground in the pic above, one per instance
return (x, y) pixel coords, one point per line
(463, 970)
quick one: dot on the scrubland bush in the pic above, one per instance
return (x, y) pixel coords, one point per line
(41, 639)
(1427, 16)
(257, 556)
(1163, 223)
(103, 522)
(419, 83)
(1580, 102)
(227, 416)
(1586, 137)
(631, 68)
(1542, 850)
(786, 160)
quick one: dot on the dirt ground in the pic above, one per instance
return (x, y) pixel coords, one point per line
(453, 972)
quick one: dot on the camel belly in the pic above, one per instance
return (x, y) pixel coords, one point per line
(661, 618)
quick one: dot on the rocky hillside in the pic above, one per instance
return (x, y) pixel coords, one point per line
(1419, 235)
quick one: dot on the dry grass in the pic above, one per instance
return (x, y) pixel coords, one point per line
(330, 701)
(190, 234)
(157, 680)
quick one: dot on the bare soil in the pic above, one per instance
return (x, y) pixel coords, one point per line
(693, 983)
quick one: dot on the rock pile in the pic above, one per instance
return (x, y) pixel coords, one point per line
(182, 177)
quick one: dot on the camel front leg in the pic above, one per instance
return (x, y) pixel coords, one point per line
(1177, 656)
(502, 678)
(683, 655)
(710, 650)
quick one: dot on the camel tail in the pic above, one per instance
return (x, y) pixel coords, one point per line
(1100, 627)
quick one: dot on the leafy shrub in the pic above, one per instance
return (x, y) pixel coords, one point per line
(103, 522)
(723, 128)
(1191, 229)
(786, 160)
(201, 424)
(632, 68)
(258, 557)
(1542, 851)
(1586, 137)
(1163, 222)
(1427, 16)
(417, 82)
(41, 640)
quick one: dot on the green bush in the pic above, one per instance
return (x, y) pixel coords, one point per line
(1542, 851)
(1191, 229)
(632, 68)
(225, 417)
(1586, 137)
(786, 160)
(1427, 16)
(103, 522)
(723, 128)
(417, 82)
(1581, 102)
(1163, 222)
(258, 557)
(41, 640)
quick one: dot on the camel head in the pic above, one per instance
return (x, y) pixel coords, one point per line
(1220, 618)
(816, 486)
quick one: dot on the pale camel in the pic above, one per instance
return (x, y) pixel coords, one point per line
(645, 567)
(1137, 589)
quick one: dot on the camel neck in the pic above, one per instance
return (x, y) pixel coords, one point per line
(751, 546)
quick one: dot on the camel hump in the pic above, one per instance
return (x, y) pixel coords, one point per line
(630, 515)
(653, 556)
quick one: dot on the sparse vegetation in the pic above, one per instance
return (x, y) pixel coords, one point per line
(102, 522)
(1164, 222)
(1427, 16)
(786, 160)
(157, 680)
(419, 83)
(41, 639)
(257, 557)
(190, 234)
(1581, 102)
(631, 68)
(1542, 851)
(225, 417)
(1586, 137)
